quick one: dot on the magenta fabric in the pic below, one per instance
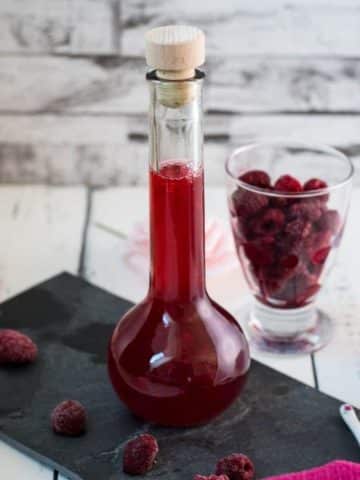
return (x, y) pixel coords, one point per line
(337, 470)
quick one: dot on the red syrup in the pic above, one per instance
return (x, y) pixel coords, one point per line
(177, 358)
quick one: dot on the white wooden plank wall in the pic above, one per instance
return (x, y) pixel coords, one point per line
(110, 150)
(69, 68)
(116, 85)
(270, 27)
(58, 26)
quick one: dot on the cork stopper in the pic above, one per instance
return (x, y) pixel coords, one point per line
(175, 51)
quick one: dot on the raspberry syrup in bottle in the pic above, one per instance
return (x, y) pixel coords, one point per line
(177, 358)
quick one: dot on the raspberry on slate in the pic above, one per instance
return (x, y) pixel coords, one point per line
(287, 183)
(140, 454)
(211, 477)
(69, 418)
(236, 466)
(257, 178)
(16, 348)
(247, 203)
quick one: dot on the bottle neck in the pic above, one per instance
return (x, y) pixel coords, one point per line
(176, 190)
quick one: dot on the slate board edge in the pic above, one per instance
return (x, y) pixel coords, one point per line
(38, 457)
(64, 273)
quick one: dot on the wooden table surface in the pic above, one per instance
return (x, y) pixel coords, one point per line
(45, 230)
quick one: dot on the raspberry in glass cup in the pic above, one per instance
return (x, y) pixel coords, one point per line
(288, 203)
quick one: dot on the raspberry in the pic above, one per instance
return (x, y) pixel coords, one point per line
(287, 183)
(236, 466)
(319, 239)
(290, 261)
(320, 256)
(289, 245)
(311, 209)
(267, 241)
(16, 348)
(211, 477)
(298, 289)
(279, 201)
(315, 184)
(140, 454)
(276, 276)
(257, 178)
(298, 228)
(311, 287)
(258, 255)
(270, 222)
(315, 269)
(318, 246)
(286, 239)
(270, 282)
(69, 418)
(248, 203)
(330, 221)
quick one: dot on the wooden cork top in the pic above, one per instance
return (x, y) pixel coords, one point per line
(175, 51)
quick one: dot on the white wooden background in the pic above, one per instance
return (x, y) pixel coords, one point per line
(73, 112)
(73, 96)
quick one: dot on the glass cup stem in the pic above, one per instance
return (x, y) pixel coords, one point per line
(283, 323)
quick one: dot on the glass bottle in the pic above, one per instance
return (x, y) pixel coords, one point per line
(177, 358)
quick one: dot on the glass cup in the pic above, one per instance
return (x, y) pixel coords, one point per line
(287, 232)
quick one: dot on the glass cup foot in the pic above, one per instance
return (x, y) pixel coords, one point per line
(289, 332)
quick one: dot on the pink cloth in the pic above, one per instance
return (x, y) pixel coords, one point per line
(337, 470)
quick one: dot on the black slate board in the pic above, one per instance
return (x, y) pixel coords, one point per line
(282, 424)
